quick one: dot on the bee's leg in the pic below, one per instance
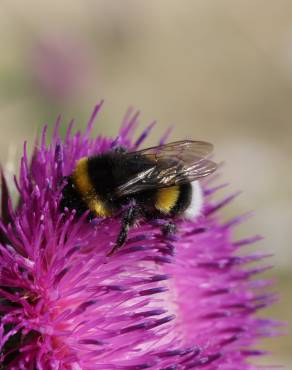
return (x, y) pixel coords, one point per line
(169, 228)
(128, 220)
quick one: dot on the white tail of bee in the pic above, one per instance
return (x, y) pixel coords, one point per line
(196, 205)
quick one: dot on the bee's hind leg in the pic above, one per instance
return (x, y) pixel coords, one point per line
(169, 228)
(128, 220)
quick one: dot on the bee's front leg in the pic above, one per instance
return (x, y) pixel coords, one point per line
(128, 220)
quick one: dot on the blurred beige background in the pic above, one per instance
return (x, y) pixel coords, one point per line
(217, 70)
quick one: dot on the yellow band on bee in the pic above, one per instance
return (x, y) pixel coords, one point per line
(98, 208)
(166, 198)
(81, 178)
(84, 185)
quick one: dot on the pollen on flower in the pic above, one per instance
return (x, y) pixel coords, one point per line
(176, 302)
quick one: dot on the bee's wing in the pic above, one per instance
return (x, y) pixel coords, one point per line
(195, 148)
(173, 164)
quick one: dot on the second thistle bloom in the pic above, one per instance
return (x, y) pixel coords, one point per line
(161, 303)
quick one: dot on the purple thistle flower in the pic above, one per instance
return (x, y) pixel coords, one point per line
(177, 303)
(59, 68)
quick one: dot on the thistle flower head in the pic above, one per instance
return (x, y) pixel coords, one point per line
(176, 303)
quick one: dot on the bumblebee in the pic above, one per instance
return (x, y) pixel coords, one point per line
(158, 182)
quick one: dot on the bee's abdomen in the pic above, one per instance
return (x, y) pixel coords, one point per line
(166, 199)
(173, 200)
(184, 199)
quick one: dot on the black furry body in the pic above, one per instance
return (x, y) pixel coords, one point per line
(106, 172)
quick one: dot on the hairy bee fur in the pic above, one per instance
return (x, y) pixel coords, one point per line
(141, 183)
